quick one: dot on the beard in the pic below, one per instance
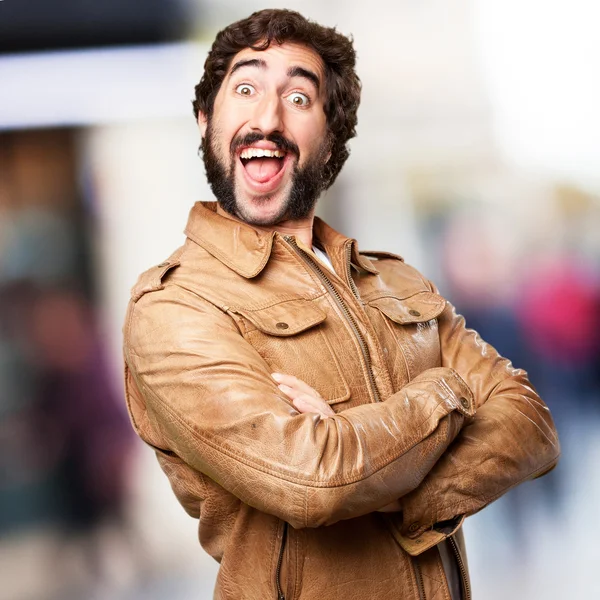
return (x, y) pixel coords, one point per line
(308, 181)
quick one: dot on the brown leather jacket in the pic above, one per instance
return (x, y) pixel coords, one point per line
(426, 412)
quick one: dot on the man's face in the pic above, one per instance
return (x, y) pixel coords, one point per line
(265, 144)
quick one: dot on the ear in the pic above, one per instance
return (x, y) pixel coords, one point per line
(202, 123)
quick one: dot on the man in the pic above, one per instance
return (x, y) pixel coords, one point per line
(324, 413)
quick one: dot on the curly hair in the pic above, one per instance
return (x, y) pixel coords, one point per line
(259, 31)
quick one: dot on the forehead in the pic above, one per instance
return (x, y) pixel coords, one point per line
(283, 56)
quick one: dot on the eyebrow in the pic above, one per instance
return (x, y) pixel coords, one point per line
(292, 71)
(251, 62)
(302, 72)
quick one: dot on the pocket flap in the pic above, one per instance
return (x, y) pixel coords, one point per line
(284, 319)
(419, 308)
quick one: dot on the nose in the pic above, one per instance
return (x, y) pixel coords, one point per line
(267, 116)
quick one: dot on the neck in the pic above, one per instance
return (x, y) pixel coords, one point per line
(301, 229)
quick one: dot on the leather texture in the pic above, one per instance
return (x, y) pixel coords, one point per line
(426, 412)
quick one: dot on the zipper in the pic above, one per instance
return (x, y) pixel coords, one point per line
(348, 274)
(461, 566)
(280, 595)
(341, 305)
(419, 578)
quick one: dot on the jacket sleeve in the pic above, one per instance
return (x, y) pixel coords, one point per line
(512, 437)
(199, 391)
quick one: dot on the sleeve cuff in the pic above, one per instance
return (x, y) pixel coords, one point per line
(421, 541)
(452, 388)
(419, 507)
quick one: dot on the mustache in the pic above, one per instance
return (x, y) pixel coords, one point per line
(279, 140)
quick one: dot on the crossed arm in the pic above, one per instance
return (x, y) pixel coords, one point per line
(511, 439)
(311, 468)
(199, 392)
(307, 400)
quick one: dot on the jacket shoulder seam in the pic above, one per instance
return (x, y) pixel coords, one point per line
(152, 279)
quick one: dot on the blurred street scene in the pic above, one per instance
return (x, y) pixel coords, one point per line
(477, 159)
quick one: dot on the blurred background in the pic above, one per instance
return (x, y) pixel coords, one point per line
(477, 159)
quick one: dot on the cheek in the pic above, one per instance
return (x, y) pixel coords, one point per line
(313, 135)
(230, 121)
(318, 126)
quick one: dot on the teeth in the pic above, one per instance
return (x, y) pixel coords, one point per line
(260, 152)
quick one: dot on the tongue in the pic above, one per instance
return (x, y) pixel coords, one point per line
(263, 169)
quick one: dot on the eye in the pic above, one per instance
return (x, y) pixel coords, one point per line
(245, 89)
(298, 99)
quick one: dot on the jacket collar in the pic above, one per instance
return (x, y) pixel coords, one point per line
(247, 250)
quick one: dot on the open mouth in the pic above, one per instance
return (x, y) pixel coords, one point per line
(262, 165)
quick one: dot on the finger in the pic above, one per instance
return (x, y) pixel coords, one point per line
(294, 394)
(311, 404)
(314, 405)
(290, 391)
(295, 383)
(303, 405)
(318, 404)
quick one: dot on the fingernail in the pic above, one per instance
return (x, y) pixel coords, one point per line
(277, 376)
(284, 387)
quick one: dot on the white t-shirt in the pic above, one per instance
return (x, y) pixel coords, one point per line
(322, 256)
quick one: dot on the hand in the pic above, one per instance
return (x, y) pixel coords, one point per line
(308, 400)
(304, 398)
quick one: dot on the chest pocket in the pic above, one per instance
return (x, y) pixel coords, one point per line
(413, 323)
(290, 337)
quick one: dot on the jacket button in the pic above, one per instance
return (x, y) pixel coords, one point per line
(414, 313)
(413, 527)
(464, 402)
(282, 326)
